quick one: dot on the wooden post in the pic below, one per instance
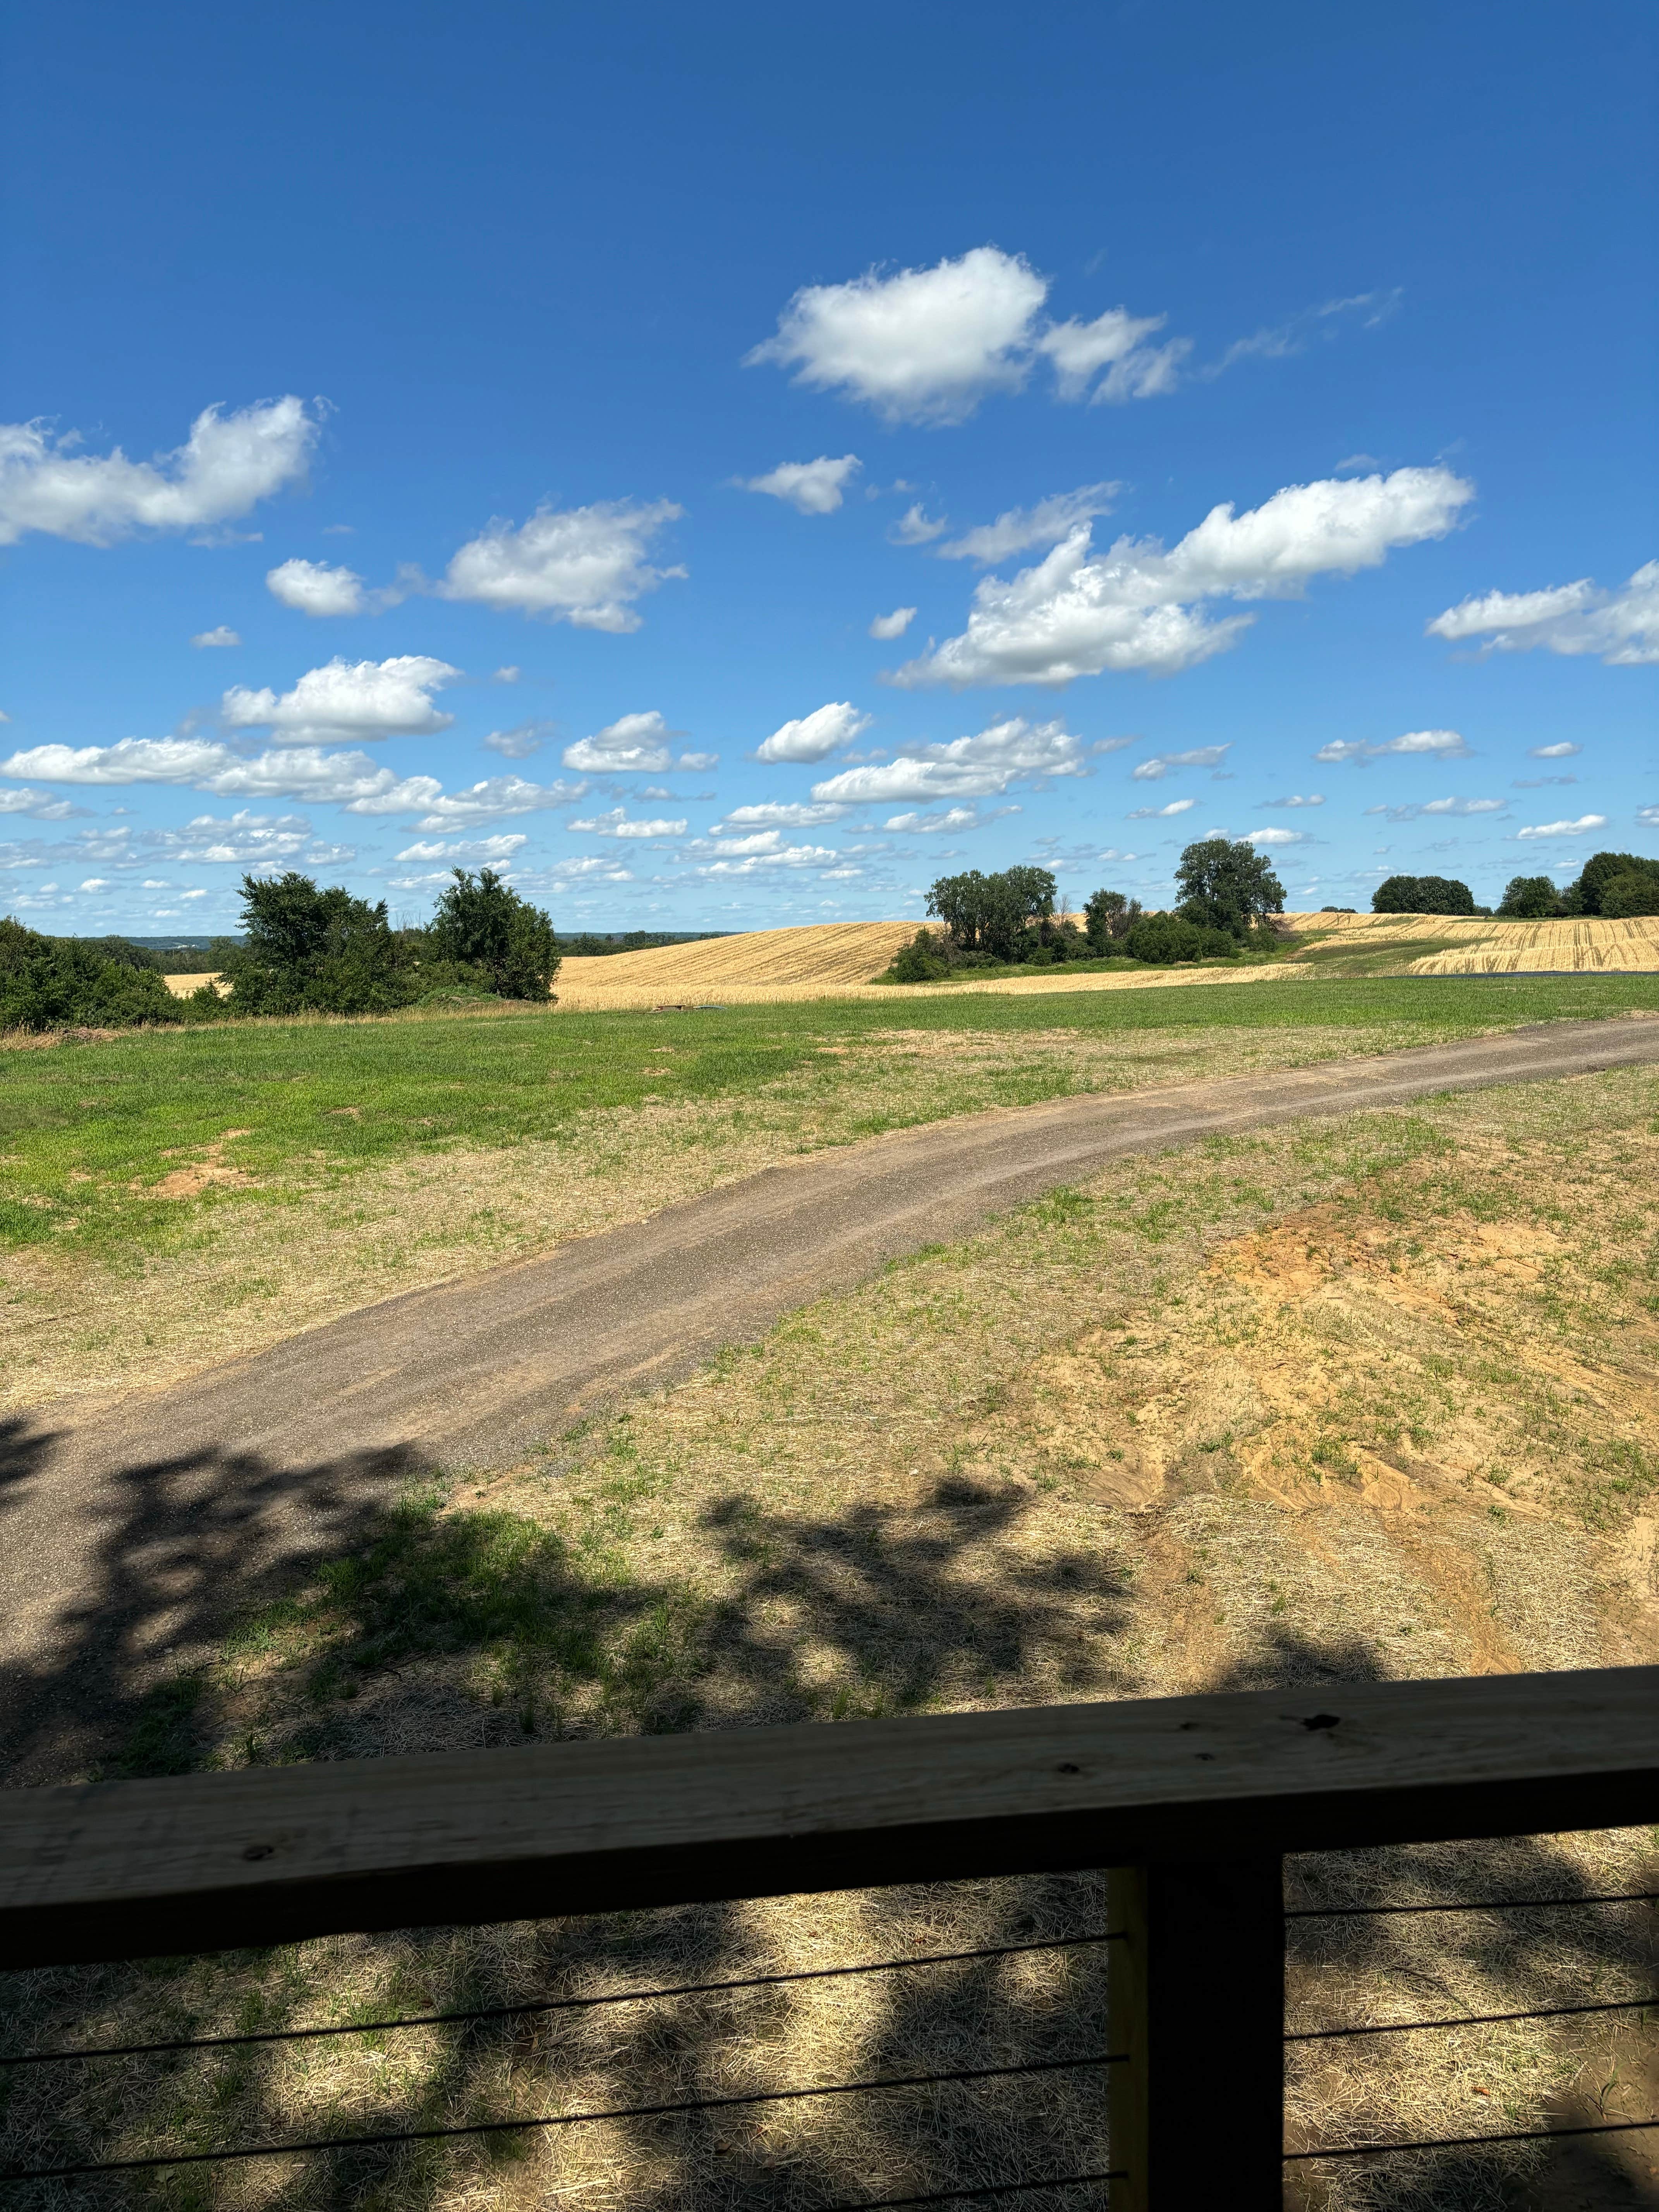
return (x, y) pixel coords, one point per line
(1197, 2001)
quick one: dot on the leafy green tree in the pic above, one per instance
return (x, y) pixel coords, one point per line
(481, 922)
(1600, 871)
(1635, 892)
(1225, 884)
(1530, 898)
(993, 914)
(56, 983)
(1422, 895)
(1109, 915)
(307, 950)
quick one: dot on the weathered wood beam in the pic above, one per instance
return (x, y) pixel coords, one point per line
(124, 1869)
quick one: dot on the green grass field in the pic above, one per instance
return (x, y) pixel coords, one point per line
(88, 1130)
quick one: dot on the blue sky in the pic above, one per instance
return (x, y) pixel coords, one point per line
(505, 435)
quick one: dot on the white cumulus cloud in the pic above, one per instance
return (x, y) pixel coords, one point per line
(615, 823)
(223, 635)
(927, 345)
(349, 780)
(1296, 799)
(893, 625)
(228, 464)
(767, 853)
(1023, 527)
(1115, 343)
(244, 840)
(1153, 770)
(922, 345)
(796, 815)
(314, 587)
(632, 743)
(501, 847)
(950, 818)
(1275, 837)
(1434, 745)
(810, 487)
(37, 806)
(1586, 822)
(1157, 813)
(985, 765)
(1137, 606)
(1621, 626)
(916, 527)
(1564, 750)
(520, 741)
(361, 700)
(583, 565)
(1432, 807)
(814, 735)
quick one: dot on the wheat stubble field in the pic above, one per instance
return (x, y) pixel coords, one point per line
(1370, 1396)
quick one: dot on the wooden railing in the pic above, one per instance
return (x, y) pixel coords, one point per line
(1192, 1802)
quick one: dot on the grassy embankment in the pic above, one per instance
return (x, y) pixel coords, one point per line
(259, 1178)
(1373, 1396)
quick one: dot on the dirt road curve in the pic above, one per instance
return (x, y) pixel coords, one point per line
(124, 1524)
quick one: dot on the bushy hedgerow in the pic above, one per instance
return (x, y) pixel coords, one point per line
(59, 982)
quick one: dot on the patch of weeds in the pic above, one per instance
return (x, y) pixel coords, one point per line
(551, 1622)
(163, 1738)
(1330, 1452)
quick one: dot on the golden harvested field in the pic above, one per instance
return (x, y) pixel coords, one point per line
(1485, 947)
(839, 960)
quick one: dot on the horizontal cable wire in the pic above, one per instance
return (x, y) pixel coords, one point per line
(984, 2189)
(1473, 2019)
(559, 2119)
(1481, 1904)
(542, 2004)
(1460, 2142)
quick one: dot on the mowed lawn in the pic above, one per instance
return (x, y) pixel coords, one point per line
(101, 1140)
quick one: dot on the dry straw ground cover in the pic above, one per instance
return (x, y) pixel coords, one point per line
(1372, 1397)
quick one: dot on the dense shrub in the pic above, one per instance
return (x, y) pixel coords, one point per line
(1166, 939)
(481, 924)
(1530, 898)
(322, 952)
(923, 960)
(57, 983)
(1422, 895)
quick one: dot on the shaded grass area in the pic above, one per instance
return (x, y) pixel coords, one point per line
(102, 1140)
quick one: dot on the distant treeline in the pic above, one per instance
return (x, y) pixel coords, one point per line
(1617, 886)
(1230, 895)
(302, 949)
(586, 946)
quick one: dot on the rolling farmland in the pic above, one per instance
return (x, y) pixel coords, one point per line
(1484, 946)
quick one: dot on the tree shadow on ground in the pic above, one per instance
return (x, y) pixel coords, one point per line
(184, 1549)
(902, 1601)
